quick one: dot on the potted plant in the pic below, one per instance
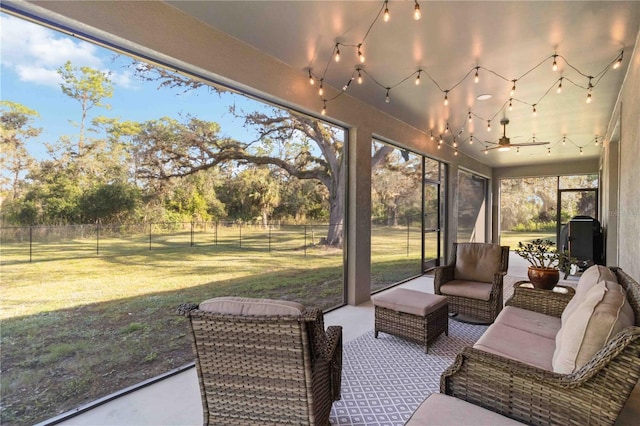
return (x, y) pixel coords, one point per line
(544, 272)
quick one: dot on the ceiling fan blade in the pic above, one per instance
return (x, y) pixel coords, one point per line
(530, 144)
(492, 143)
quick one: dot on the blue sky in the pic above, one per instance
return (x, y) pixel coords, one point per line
(31, 54)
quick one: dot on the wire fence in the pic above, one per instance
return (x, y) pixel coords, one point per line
(34, 243)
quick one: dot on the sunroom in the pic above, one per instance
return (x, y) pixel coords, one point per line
(446, 93)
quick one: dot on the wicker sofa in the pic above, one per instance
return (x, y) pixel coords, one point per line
(536, 381)
(262, 361)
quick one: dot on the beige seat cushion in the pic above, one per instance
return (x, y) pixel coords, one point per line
(477, 262)
(589, 278)
(530, 321)
(444, 410)
(409, 301)
(603, 313)
(469, 289)
(251, 307)
(509, 342)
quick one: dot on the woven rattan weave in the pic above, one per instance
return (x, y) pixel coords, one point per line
(266, 370)
(484, 310)
(419, 329)
(592, 395)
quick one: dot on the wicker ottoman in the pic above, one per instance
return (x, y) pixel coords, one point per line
(413, 315)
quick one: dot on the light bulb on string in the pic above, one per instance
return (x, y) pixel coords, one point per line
(581, 153)
(416, 12)
(359, 76)
(386, 15)
(589, 93)
(486, 150)
(564, 140)
(469, 116)
(596, 141)
(360, 55)
(617, 63)
(555, 64)
(455, 143)
(559, 89)
(548, 151)
(476, 78)
(510, 104)
(535, 111)
(440, 141)
(455, 152)
(518, 150)
(431, 135)
(471, 140)
(513, 88)
(324, 108)
(311, 80)
(418, 78)
(337, 56)
(387, 99)
(446, 129)
(488, 125)
(446, 97)
(321, 89)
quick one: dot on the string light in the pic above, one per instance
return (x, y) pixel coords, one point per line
(510, 104)
(476, 78)
(486, 150)
(564, 140)
(589, 91)
(581, 153)
(440, 141)
(387, 99)
(431, 135)
(386, 15)
(320, 88)
(360, 55)
(596, 140)
(555, 64)
(469, 116)
(446, 129)
(337, 57)
(416, 11)
(455, 143)
(359, 76)
(324, 108)
(548, 151)
(418, 78)
(455, 152)
(535, 112)
(513, 88)
(471, 140)
(617, 63)
(311, 80)
(559, 89)
(488, 125)
(446, 97)
(518, 150)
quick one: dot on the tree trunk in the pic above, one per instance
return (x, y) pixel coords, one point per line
(336, 210)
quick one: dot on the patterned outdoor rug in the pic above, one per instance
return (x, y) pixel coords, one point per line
(384, 380)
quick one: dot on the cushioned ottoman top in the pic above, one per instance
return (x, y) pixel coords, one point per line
(410, 301)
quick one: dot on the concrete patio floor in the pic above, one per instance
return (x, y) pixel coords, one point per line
(175, 400)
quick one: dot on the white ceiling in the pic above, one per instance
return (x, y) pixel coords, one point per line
(508, 38)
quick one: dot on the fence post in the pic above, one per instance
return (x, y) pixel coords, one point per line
(191, 233)
(30, 243)
(98, 239)
(407, 236)
(150, 224)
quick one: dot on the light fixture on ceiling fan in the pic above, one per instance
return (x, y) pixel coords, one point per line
(504, 143)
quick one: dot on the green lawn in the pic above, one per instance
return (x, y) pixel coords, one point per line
(511, 239)
(75, 329)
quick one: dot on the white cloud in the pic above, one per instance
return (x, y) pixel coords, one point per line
(35, 52)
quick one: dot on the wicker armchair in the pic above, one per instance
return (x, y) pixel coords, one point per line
(592, 395)
(472, 281)
(264, 362)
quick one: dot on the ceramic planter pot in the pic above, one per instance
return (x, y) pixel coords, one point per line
(543, 278)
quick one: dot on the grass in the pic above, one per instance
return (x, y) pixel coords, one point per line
(75, 329)
(511, 238)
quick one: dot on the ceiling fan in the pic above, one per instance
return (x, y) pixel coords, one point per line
(504, 143)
